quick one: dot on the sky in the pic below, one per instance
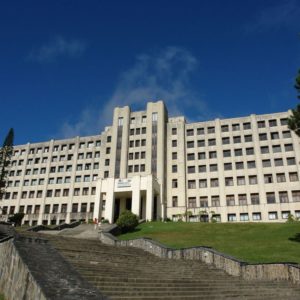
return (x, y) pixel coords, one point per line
(64, 65)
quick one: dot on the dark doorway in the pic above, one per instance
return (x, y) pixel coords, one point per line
(204, 218)
(155, 208)
(117, 209)
(128, 204)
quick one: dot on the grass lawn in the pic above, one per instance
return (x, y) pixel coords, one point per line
(249, 242)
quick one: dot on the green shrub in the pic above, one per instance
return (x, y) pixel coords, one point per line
(104, 221)
(127, 221)
(16, 219)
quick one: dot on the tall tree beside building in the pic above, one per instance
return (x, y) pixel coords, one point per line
(294, 120)
(5, 157)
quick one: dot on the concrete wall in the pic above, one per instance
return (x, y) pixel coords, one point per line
(232, 266)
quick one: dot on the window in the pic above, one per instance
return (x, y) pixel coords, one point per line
(201, 155)
(57, 193)
(190, 132)
(280, 177)
(85, 191)
(237, 139)
(272, 123)
(215, 201)
(235, 127)
(242, 199)
(288, 147)
(49, 193)
(192, 202)
(249, 151)
(296, 196)
(271, 198)
(273, 215)
(154, 117)
(241, 180)
(211, 130)
(248, 138)
(253, 179)
(244, 217)
(226, 153)
(214, 182)
(213, 168)
(212, 154)
(225, 141)
(138, 131)
(200, 131)
(143, 130)
(65, 192)
(31, 194)
(211, 142)
(69, 168)
(231, 217)
(106, 163)
(136, 168)
(224, 128)
(202, 183)
(93, 191)
(130, 169)
(291, 161)
(264, 149)
(76, 192)
(293, 176)
(274, 135)
(285, 214)
(202, 169)
(266, 163)
(88, 166)
(283, 197)
(228, 181)
(87, 178)
(247, 125)
(51, 180)
(190, 156)
(191, 184)
(59, 180)
(256, 216)
(131, 131)
(174, 168)
(106, 174)
(174, 131)
(107, 151)
(143, 154)
(284, 121)
(268, 178)
(191, 169)
(174, 201)
(286, 134)
(190, 144)
(108, 139)
(276, 148)
(278, 162)
(174, 143)
(203, 202)
(24, 195)
(174, 183)
(239, 165)
(262, 136)
(227, 166)
(137, 143)
(254, 199)
(238, 152)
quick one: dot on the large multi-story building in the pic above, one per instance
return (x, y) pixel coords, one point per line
(241, 169)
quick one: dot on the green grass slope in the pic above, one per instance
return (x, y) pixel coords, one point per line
(251, 242)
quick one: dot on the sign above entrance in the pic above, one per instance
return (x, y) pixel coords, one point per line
(124, 183)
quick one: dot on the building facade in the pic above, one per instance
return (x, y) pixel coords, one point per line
(231, 170)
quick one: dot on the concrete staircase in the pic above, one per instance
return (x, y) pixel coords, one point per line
(129, 273)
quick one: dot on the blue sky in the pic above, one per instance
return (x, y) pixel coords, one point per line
(64, 65)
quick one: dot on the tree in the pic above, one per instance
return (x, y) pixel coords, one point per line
(127, 221)
(5, 157)
(294, 119)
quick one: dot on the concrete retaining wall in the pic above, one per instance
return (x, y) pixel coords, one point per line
(232, 266)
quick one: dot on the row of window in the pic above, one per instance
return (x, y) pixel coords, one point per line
(136, 168)
(136, 155)
(240, 180)
(236, 152)
(234, 127)
(36, 209)
(290, 161)
(137, 143)
(241, 199)
(137, 131)
(236, 139)
(63, 147)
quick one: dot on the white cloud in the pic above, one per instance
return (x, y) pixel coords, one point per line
(285, 14)
(57, 47)
(161, 76)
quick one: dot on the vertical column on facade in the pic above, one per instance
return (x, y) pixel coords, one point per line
(136, 202)
(97, 212)
(149, 199)
(110, 200)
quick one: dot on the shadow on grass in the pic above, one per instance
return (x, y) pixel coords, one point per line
(295, 238)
